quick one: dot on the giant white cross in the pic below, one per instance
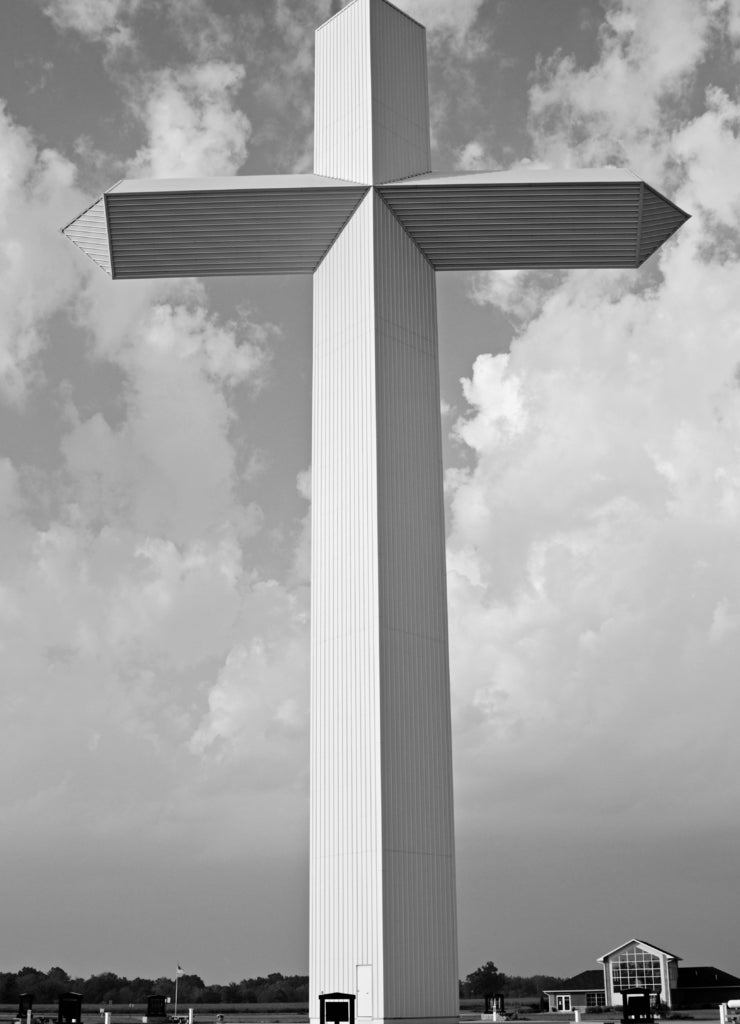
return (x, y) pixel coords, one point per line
(373, 225)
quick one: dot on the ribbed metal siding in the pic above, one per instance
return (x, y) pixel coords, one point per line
(89, 233)
(206, 233)
(484, 227)
(382, 843)
(346, 829)
(660, 218)
(371, 96)
(342, 101)
(400, 102)
(419, 907)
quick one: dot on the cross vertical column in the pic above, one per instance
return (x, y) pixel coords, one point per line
(382, 903)
(383, 912)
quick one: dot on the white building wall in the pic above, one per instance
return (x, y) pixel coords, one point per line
(371, 120)
(382, 843)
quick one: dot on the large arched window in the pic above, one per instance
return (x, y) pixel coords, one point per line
(635, 968)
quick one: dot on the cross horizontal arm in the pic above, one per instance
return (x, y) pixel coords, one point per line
(505, 219)
(184, 227)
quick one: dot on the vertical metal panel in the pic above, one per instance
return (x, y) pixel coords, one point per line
(419, 907)
(371, 119)
(382, 855)
(400, 101)
(89, 232)
(346, 827)
(342, 104)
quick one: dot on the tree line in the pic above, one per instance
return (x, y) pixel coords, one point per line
(487, 980)
(108, 987)
(46, 986)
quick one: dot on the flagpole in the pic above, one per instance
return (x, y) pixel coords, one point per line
(177, 978)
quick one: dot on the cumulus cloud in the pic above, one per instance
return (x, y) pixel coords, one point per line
(37, 195)
(622, 108)
(257, 708)
(474, 157)
(129, 593)
(592, 576)
(192, 126)
(518, 293)
(170, 467)
(118, 639)
(450, 19)
(206, 32)
(96, 20)
(591, 554)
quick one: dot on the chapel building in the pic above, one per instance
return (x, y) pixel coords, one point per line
(638, 964)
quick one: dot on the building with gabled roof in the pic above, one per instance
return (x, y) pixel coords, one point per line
(639, 964)
(699, 985)
(585, 991)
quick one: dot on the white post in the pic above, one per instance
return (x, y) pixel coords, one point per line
(576, 1016)
(723, 1013)
(106, 1018)
(29, 1017)
(190, 1015)
(177, 978)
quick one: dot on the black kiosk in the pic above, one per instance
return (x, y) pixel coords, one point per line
(156, 1008)
(25, 1003)
(637, 1006)
(337, 1008)
(70, 1008)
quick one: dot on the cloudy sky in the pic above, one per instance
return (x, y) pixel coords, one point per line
(155, 499)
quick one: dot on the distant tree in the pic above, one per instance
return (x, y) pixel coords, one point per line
(484, 981)
(140, 989)
(274, 993)
(300, 990)
(28, 979)
(190, 988)
(193, 980)
(530, 986)
(8, 988)
(100, 988)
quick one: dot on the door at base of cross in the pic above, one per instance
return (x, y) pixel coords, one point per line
(364, 990)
